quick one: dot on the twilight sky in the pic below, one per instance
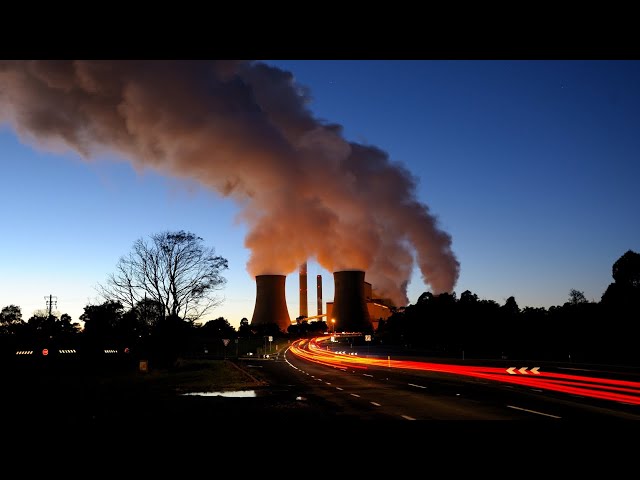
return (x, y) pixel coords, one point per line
(506, 178)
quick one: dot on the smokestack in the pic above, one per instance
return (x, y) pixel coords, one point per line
(271, 303)
(319, 282)
(303, 290)
(349, 304)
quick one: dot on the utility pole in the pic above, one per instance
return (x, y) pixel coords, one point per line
(50, 302)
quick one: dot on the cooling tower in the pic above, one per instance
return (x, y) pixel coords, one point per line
(303, 290)
(271, 302)
(349, 304)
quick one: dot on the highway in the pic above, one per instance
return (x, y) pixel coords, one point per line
(374, 388)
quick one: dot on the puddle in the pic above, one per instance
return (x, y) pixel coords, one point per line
(238, 393)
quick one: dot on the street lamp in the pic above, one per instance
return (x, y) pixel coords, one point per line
(333, 320)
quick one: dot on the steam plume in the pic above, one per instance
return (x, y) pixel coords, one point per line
(244, 130)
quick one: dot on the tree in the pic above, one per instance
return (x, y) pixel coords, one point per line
(42, 324)
(244, 330)
(624, 292)
(425, 297)
(173, 269)
(626, 270)
(576, 297)
(10, 319)
(468, 298)
(148, 313)
(511, 306)
(102, 321)
(218, 328)
(66, 325)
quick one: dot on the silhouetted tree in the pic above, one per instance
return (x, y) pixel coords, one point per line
(317, 327)
(508, 325)
(174, 269)
(169, 340)
(425, 297)
(267, 329)
(624, 292)
(576, 297)
(67, 326)
(102, 322)
(468, 298)
(511, 306)
(467, 322)
(536, 335)
(244, 330)
(621, 308)
(42, 325)
(218, 328)
(626, 270)
(299, 329)
(148, 313)
(10, 320)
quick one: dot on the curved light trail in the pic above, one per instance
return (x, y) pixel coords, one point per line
(622, 391)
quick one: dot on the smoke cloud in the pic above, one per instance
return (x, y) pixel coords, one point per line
(243, 129)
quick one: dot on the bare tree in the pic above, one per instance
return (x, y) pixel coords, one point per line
(173, 269)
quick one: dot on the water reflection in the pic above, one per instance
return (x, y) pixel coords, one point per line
(237, 393)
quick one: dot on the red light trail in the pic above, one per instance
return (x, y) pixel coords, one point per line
(622, 391)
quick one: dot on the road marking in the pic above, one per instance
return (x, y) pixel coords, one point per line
(354, 395)
(407, 417)
(533, 411)
(376, 404)
(415, 385)
(367, 375)
(339, 388)
(536, 390)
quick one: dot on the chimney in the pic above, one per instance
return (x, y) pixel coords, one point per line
(319, 281)
(271, 303)
(349, 304)
(303, 290)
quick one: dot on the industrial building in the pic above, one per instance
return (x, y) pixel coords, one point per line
(353, 309)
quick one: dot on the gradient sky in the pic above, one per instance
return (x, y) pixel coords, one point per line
(531, 167)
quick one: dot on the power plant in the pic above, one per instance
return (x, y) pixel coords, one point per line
(349, 303)
(271, 302)
(353, 309)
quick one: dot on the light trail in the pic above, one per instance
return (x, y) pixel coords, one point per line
(622, 391)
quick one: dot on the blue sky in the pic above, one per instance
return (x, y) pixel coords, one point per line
(532, 167)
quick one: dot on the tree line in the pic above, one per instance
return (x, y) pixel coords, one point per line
(165, 285)
(578, 330)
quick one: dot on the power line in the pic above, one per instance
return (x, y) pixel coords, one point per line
(50, 302)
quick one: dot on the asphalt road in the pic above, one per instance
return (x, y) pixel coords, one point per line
(301, 405)
(392, 404)
(392, 394)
